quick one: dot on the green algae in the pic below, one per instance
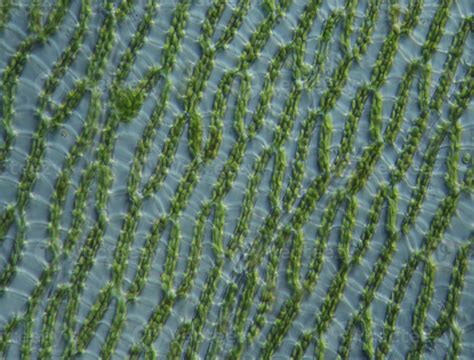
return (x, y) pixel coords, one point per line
(250, 279)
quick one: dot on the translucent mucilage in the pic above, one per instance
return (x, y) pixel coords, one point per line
(236, 179)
